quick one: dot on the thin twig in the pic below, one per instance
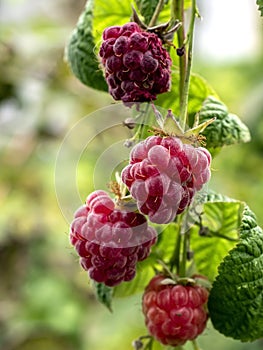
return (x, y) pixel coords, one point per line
(177, 12)
(156, 13)
(183, 116)
(195, 345)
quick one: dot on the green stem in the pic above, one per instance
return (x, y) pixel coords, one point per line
(149, 344)
(143, 123)
(177, 10)
(195, 345)
(175, 259)
(182, 271)
(157, 11)
(183, 115)
(221, 235)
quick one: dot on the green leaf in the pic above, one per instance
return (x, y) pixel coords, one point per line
(227, 129)
(198, 92)
(80, 52)
(162, 250)
(236, 299)
(146, 8)
(104, 294)
(217, 233)
(109, 13)
(166, 242)
(260, 6)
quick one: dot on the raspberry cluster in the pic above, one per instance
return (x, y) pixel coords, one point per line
(174, 313)
(110, 241)
(137, 67)
(163, 175)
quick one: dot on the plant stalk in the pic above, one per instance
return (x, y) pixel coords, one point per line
(195, 345)
(182, 270)
(156, 13)
(185, 94)
(175, 259)
(143, 123)
(149, 344)
(177, 12)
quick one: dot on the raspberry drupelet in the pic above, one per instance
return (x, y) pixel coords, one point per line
(110, 241)
(137, 67)
(163, 175)
(174, 313)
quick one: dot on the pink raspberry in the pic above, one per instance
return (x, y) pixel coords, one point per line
(110, 241)
(174, 313)
(137, 67)
(163, 175)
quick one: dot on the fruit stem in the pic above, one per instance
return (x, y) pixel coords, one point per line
(182, 271)
(221, 235)
(186, 84)
(195, 345)
(149, 345)
(175, 259)
(156, 13)
(177, 12)
(138, 135)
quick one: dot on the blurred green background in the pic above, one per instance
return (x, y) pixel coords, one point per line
(46, 301)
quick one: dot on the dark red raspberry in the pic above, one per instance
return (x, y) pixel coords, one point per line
(137, 67)
(110, 241)
(174, 313)
(164, 174)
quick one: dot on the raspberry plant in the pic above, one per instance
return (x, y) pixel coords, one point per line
(208, 258)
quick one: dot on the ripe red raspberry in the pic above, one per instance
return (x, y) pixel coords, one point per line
(137, 67)
(164, 174)
(110, 241)
(174, 313)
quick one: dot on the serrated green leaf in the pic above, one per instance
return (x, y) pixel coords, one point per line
(220, 220)
(227, 129)
(260, 6)
(212, 196)
(80, 51)
(198, 92)
(104, 294)
(236, 299)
